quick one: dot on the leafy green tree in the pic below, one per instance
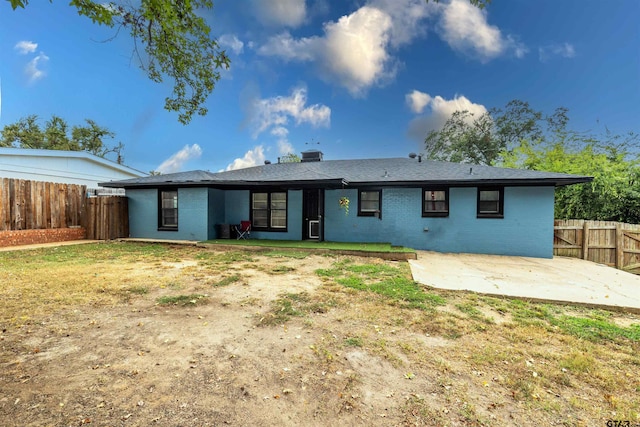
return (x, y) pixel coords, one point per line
(464, 138)
(481, 140)
(26, 133)
(90, 138)
(614, 193)
(290, 158)
(56, 135)
(519, 136)
(175, 39)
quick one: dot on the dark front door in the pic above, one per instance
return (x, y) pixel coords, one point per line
(312, 209)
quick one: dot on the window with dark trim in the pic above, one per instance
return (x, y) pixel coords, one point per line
(269, 210)
(491, 202)
(435, 201)
(168, 210)
(370, 203)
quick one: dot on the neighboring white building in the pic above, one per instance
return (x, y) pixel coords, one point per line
(68, 167)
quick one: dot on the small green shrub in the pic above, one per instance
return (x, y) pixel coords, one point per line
(138, 290)
(353, 341)
(183, 300)
(226, 281)
(286, 254)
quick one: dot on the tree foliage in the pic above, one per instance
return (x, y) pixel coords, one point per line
(290, 158)
(464, 138)
(481, 140)
(176, 43)
(614, 193)
(56, 135)
(519, 136)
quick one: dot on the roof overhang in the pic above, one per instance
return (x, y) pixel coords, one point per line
(341, 183)
(231, 185)
(526, 182)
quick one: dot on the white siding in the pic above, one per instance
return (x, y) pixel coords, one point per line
(61, 167)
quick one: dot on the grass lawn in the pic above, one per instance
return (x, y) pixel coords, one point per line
(151, 334)
(346, 246)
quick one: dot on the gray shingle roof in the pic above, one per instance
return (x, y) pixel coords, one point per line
(391, 171)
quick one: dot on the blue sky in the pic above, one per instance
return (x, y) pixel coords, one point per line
(355, 79)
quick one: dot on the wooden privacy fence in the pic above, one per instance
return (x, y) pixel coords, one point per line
(32, 205)
(106, 218)
(612, 243)
(35, 205)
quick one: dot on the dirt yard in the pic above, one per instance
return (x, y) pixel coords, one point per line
(193, 337)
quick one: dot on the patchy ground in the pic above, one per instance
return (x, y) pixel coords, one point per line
(192, 337)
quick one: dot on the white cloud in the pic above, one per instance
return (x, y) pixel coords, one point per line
(519, 49)
(230, 41)
(286, 47)
(286, 13)
(355, 51)
(417, 100)
(273, 113)
(440, 111)
(253, 157)
(352, 52)
(465, 28)
(176, 162)
(23, 47)
(280, 132)
(33, 68)
(564, 50)
(285, 147)
(407, 18)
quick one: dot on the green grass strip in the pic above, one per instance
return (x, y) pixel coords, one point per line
(596, 329)
(347, 246)
(182, 300)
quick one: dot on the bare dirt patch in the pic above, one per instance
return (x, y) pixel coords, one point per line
(272, 342)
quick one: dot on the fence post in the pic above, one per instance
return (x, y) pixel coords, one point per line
(619, 247)
(585, 240)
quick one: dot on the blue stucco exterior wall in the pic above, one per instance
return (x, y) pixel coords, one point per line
(294, 220)
(237, 208)
(526, 229)
(193, 204)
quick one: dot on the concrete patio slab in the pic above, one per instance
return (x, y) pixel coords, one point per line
(568, 280)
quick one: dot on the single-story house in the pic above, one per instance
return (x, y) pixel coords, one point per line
(63, 167)
(413, 202)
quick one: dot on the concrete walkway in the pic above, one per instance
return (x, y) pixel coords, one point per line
(47, 245)
(83, 242)
(560, 279)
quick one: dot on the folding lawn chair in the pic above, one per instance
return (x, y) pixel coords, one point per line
(243, 230)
